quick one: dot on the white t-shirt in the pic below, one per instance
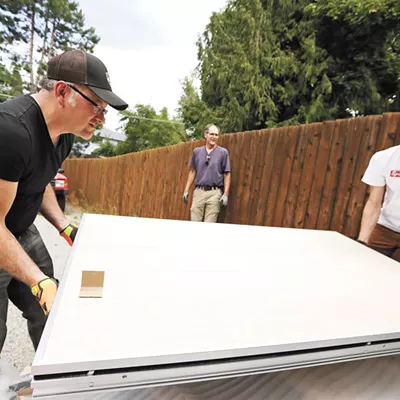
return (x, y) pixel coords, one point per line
(384, 170)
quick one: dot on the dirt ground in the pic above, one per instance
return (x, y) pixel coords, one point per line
(18, 349)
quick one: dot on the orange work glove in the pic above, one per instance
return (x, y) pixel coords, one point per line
(69, 233)
(45, 292)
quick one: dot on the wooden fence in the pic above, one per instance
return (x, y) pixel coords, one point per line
(306, 176)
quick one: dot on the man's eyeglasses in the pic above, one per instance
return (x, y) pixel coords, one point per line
(97, 109)
(208, 159)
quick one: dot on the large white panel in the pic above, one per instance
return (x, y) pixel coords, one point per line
(180, 291)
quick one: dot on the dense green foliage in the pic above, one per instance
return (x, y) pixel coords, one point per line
(145, 129)
(266, 63)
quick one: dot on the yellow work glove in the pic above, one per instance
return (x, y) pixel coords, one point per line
(45, 292)
(69, 233)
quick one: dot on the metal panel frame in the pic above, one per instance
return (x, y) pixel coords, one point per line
(64, 387)
(66, 368)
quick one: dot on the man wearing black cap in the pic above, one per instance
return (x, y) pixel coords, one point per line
(36, 135)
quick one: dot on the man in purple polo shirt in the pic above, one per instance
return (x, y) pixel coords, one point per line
(211, 171)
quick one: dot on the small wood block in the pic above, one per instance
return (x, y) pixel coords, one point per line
(92, 284)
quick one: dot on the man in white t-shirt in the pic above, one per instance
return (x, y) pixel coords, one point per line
(380, 225)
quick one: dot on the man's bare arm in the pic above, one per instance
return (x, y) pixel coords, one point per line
(371, 213)
(227, 183)
(52, 211)
(13, 257)
(190, 179)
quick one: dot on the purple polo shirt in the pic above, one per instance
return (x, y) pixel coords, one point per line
(213, 173)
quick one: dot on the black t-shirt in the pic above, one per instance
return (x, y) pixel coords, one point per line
(29, 157)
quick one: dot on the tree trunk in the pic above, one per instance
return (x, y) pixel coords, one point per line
(32, 39)
(46, 30)
(53, 32)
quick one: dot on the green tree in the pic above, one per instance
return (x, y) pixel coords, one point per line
(9, 27)
(196, 115)
(362, 39)
(106, 149)
(10, 72)
(62, 28)
(265, 63)
(146, 129)
(49, 26)
(11, 83)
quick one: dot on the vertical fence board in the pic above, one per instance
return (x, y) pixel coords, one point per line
(278, 159)
(255, 184)
(307, 176)
(332, 175)
(248, 188)
(266, 177)
(321, 166)
(235, 192)
(244, 177)
(353, 140)
(295, 176)
(290, 148)
(358, 190)
(264, 143)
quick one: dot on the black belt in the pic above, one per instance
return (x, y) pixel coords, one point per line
(206, 188)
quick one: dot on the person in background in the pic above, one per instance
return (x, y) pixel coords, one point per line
(36, 135)
(210, 170)
(380, 225)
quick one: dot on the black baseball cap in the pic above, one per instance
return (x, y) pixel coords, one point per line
(77, 66)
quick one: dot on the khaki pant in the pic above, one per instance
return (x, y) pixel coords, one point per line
(205, 205)
(385, 241)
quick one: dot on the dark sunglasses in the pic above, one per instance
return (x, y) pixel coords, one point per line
(97, 109)
(208, 159)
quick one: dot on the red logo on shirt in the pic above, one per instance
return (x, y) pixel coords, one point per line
(394, 173)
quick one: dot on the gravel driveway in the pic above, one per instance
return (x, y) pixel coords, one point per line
(18, 349)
